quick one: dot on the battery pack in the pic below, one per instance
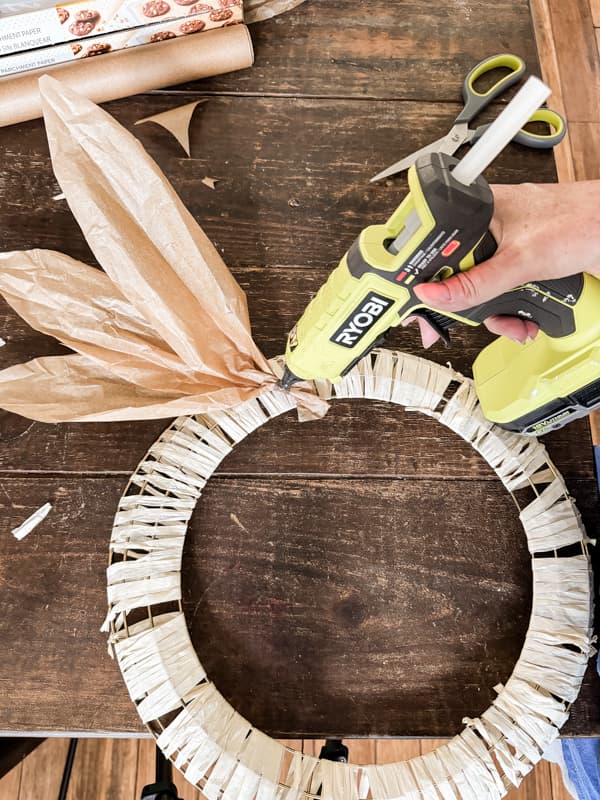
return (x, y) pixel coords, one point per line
(546, 383)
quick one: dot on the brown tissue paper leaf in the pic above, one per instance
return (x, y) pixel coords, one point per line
(164, 330)
(258, 10)
(177, 121)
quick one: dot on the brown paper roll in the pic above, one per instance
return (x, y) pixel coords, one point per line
(131, 71)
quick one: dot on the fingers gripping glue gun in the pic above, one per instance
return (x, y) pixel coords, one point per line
(440, 229)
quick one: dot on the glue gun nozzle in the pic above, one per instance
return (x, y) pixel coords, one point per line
(288, 379)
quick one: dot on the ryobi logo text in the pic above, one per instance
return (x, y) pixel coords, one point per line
(362, 319)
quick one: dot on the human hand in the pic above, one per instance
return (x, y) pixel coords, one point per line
(543, 231)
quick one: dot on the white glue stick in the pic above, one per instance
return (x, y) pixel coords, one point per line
(516, 114)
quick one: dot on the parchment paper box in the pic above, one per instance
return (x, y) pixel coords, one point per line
(77, 20)
(132, 71)
(99, 45)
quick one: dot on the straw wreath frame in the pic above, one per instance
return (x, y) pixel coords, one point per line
(222, 753)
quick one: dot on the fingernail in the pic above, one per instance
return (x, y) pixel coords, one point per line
(433, 291)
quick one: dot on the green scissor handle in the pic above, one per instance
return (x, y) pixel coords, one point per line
(539, 141)
(476, 101)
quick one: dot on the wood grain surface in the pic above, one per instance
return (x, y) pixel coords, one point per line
(585, 141)
(404, 49)
(572, 26)
(389, 606)
(374, 579)
(274, 205)
(550, 68)
(113, 767)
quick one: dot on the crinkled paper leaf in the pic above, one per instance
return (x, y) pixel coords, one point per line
(77, 389)
(164, 330)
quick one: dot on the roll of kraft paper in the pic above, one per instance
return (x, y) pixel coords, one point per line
(132, 71)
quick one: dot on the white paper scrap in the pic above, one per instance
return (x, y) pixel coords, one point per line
(31, 522)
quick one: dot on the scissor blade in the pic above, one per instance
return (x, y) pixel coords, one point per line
(448, 144)
(399, 166)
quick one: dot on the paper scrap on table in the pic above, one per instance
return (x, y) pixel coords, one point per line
(210, 182)
(31, 522)
(177, 121)
(257, 10)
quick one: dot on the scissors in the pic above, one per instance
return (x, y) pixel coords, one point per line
(475, 102)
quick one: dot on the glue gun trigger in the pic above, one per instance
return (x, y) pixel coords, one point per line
(438, 322)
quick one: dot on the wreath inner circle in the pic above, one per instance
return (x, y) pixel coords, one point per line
(222, 753)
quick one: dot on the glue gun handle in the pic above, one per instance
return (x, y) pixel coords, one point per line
(550, 304)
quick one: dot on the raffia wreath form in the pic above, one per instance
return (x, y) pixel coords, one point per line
(214, 746)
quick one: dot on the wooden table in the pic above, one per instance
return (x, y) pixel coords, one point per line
(362, 575)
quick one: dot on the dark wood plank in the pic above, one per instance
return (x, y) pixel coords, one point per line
(357, 437)
(298, 206)
(58, 676)
(260, 227)
(370, 48)
(369, 600)
(277, 203)
(579, 64)
(388, 573)
(549, 63)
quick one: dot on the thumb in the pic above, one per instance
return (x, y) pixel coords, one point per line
(478, 285)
